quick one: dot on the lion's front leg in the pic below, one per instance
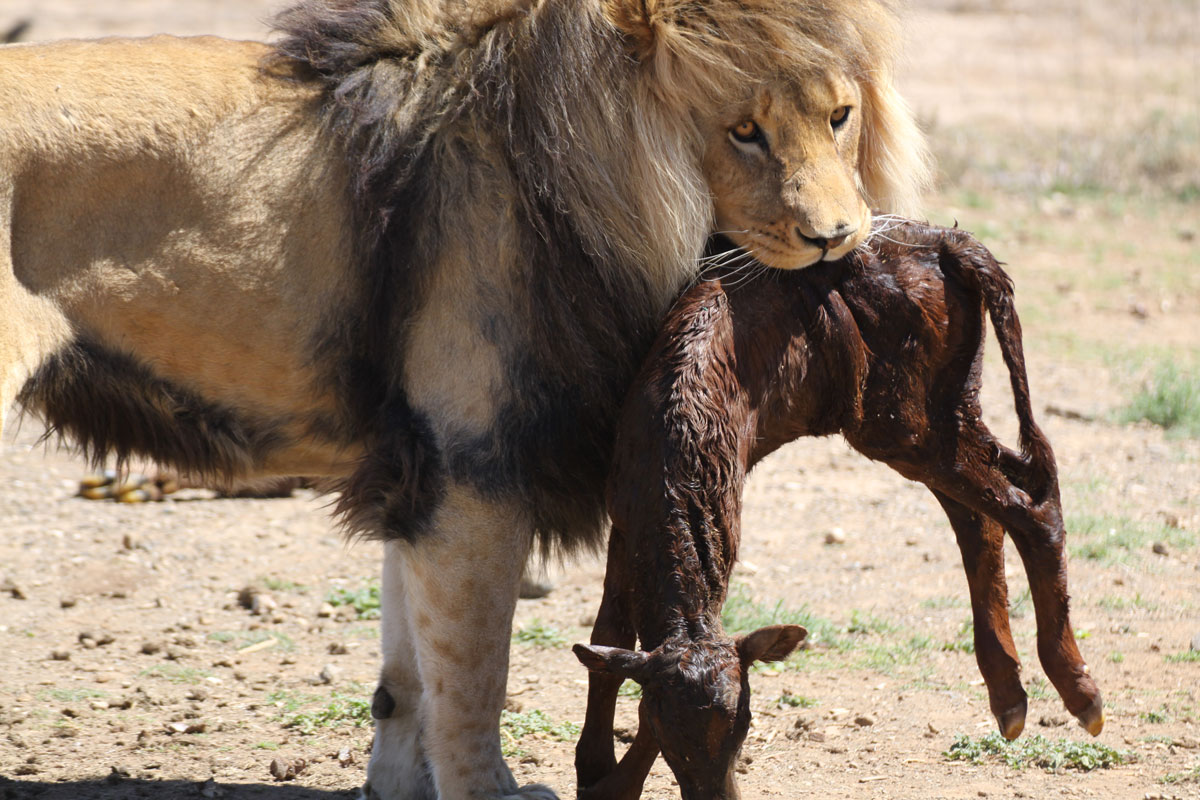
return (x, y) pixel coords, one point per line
(398, 768)
(460, 582)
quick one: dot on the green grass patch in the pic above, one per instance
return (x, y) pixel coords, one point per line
(1156, 716)
(964, 642)
(789, 700)
(176, 673)
(1110, 538)
(1186, 657)
(864, 624)
(540, 635)
(630, 688)
(70, 695)
(514, 727)
(1111, 602)
(1170, 399)
(289, 701)
(743, 614)
(1187, 776)
(1116, 657)
(266, 746)
(1036, 751)
(284, 585)
(945, 602)
(341, 710)
(240, 639)
(1038, 688)
(1018, 607)
(365, 601)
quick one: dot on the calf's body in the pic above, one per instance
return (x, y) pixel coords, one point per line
(884, 347)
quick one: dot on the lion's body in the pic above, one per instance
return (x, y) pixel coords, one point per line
(186, 219)
(416, 250)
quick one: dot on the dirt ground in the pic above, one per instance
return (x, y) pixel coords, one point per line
(1068, 137)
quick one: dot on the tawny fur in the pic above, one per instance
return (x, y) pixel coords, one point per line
(417, 250)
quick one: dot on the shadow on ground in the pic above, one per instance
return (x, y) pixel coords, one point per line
(128, 788)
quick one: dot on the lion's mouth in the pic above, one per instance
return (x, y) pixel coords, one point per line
(766, 251)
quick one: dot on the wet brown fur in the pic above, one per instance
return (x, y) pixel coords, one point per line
(884, 347)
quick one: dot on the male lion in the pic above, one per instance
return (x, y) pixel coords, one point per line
(417, 249)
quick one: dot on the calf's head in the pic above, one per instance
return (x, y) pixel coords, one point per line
(696, 696)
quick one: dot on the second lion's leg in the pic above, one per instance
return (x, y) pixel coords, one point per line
(461, 580)
(398, 768)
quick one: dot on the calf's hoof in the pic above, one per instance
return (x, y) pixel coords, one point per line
(1012, 720)
(1092, 717)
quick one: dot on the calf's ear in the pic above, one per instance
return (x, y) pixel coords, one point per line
(772, 643)
(614, 660)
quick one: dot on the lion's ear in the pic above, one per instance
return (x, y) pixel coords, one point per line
(893, 161)
(638, 20)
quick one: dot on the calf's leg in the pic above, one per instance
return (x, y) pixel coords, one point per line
(1037, 531)
(597, 772)
(1039, 536)
(981, 542)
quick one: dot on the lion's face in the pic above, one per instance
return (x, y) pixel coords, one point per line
(782, 167)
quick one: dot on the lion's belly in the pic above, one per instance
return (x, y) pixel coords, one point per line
(196, 254)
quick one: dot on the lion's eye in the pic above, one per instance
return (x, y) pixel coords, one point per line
(746, 131)
(839, 116)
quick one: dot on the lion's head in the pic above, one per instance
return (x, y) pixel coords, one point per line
(802, 133)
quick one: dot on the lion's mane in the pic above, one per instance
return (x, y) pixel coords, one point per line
(603, 158)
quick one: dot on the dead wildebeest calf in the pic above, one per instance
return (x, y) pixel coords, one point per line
(885, 347)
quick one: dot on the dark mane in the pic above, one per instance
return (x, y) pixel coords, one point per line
(392, 98)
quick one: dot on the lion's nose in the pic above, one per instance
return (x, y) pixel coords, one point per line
(833, 241)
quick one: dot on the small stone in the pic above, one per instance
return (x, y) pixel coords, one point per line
(864, 721)
(835, 536)
(345, 757)
(97, 639)
(338, 649)
(68, 602)
(130, 542)
(263, 605)
(187, 726)
(209, 789)
(286, 770)
(150, 648)
(325, 611)
(346, 614)
(328, 674)
(1160, 548)
(8, 587)
(60, 655)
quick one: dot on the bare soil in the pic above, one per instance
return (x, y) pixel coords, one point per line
(1067, 135)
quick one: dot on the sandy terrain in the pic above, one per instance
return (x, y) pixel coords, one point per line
(1068, 135)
